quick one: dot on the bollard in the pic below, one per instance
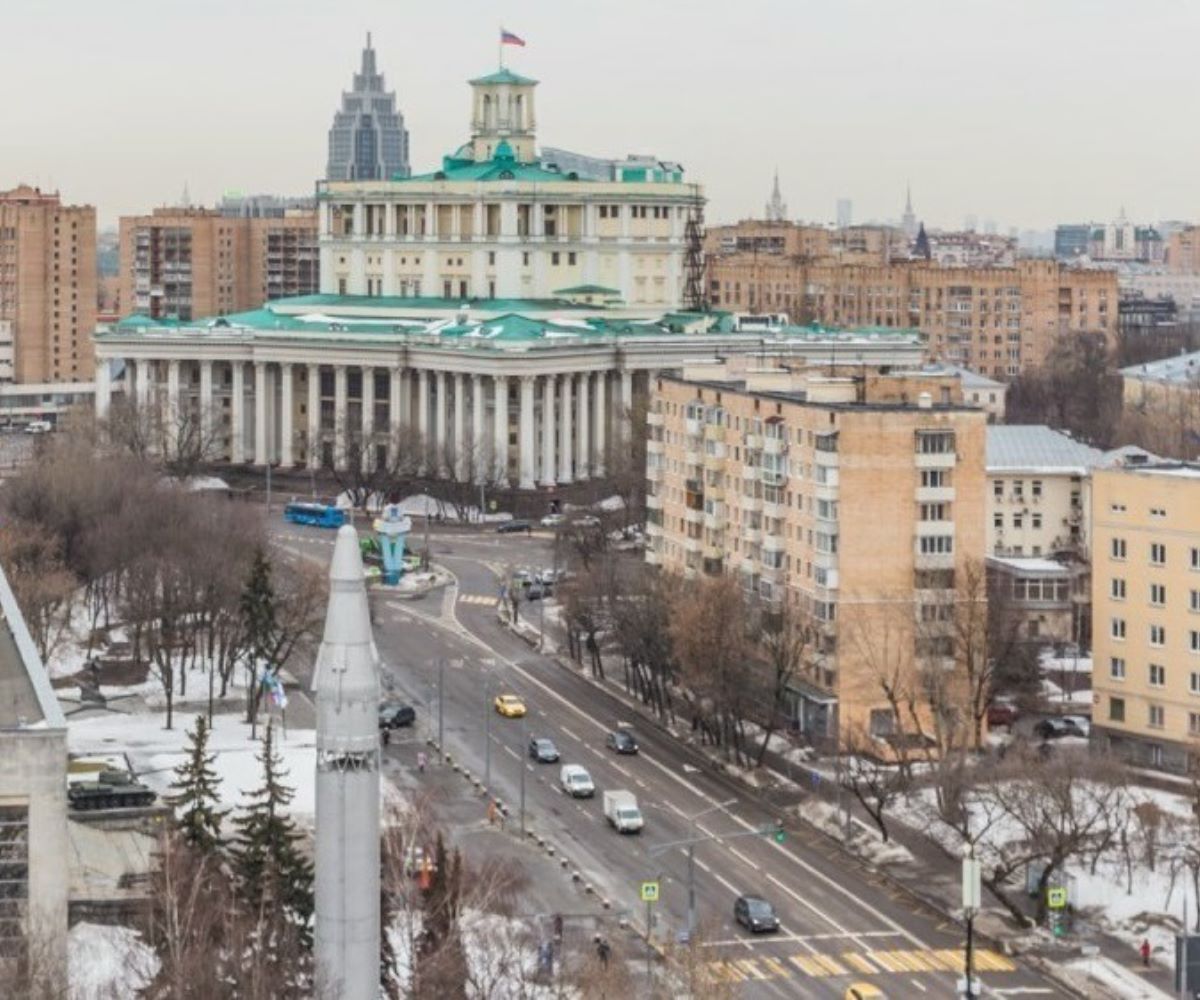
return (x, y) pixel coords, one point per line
(606, 904)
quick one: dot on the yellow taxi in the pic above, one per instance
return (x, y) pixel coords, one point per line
(510, 706)
(864, 991)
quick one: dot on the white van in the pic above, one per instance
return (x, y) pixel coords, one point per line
(576, 782)
(39, 427)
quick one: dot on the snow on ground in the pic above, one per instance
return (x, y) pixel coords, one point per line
(154, 752)
(864, 840)
(108, 962)
(1048, 663)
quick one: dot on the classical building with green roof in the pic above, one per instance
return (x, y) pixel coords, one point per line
(499, 218)
(516, 391)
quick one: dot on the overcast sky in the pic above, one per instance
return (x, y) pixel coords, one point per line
(1028, 112)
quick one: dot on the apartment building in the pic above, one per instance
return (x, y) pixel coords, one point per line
(188, 263)
(47, 287)
(1146, 596)
(1183, 250)
(849, 244)
(998, 321)
(860, 501)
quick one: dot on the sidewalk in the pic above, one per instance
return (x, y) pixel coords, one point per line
(922, 868)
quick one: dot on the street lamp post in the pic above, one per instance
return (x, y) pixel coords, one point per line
(487, 735)
(971, 903)
(521, 751)
(441, 705)
(691, 911)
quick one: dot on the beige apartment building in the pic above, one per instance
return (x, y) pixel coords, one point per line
(850, 245)
(1146, 596)
(858, 500)
(190, 263)
(1183, 251)
(998, 321)
(47, 287)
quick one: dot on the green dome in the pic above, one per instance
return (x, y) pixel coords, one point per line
(503, 151)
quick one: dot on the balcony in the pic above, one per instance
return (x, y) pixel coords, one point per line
(771, 477)
(829, 459)
(654, 447)
(654, 474)
(774, 543)
(691, 457)
(774, 445)
(772, 574)
(691, 516)
(825, 560)
(694, 485)
(714, 432)
(936, 460)
(751, 536)
(715, 519)
(695, 545)
(653, 530)
(693, 428)
(653, 502)
(925, 528)
(715, 459)
(654, 419)
(774, 510)
(935, 494)
(714, 491)
(751, 503)
(753, 442)
(750, 471)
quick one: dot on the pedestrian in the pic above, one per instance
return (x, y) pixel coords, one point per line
(387, 736)
(421, 761)
(603, 951)
(491, 813)
(1145, 950)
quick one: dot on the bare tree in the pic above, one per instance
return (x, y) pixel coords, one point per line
(41, 582)
(787, 635)
(640, 619)
(875, 783)
(379, 468)
(178, 439)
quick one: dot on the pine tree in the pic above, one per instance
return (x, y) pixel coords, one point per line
(258, 621)
(441, 960)
(194, 793)
(271, 869)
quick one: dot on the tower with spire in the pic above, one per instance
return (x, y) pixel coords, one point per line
(776, 207)
(908, 221)
(368, 140)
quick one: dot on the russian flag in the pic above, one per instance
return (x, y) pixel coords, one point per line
(508, 38)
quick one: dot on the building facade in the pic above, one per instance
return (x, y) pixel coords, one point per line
(834, 495)
(34, 850)
(1183, 250)
(498, 220)
(368, 140)
(1146, 595)
(189, 263)
(514, 393)
(47, 287)
(998, 321)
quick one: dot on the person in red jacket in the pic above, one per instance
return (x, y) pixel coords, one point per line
(1145, 950)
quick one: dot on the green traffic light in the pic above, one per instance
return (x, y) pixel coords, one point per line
(780, 835)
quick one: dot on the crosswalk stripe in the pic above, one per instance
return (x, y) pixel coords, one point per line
(858, 962)
(777, 967)
(835, 968)
(750, 967)
(993, 962)
(952, 961)
(809, 965)
(888, 960)
(731, 972)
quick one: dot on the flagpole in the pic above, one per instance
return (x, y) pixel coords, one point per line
(501, 46)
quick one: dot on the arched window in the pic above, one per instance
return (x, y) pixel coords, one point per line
(489, 112)
(519, 118)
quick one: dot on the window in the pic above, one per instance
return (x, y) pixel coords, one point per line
(1155, 716)
(1116, 668)
(14, 878)
(1018, 521)
(1037, 521)
(1158, 512)
(1158, 675)
(525, 259)
(1158, 635)
(1117, 628)
(1037, 487)
(1194, 600)
(1194, 682)
(997, 520)
(998, 489)
(1196, 559)
(933, 512)
(1018, 488)
(570, 258)
(1158, 594)
(554, 258)
(1116, 709)
(1194, 641)
(1118, 589)
(1117, 549)
(1158, 554)
(934, 479)
(937, 544)
(935, 442)
(1194, 723)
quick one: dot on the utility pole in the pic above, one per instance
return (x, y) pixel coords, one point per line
(971, 902)
(691, 851)
(487, 735)
(441, 705)
(524, 767)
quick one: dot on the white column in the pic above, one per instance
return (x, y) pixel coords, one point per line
(394, 415)
(565, 455)
(599, 415)
(340, 417)
(526, 436)
(548, 430)
(143, 383)
(500, 430)
(582, 465)
(439, 424)
(260, 413)
(172, 403)
(625, 407)
(314, 416)
(206, 406)
(272, 418)
(286, 405)
(237, 414)
(103, 388)
(478, 442)
(426, 444)
(368, 417)
(460, 428)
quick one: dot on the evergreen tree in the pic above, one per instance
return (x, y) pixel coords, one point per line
(258, 621)
(441, 961)
(272, 872)
(194, 793)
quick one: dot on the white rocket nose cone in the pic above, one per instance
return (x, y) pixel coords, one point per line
(347, 558)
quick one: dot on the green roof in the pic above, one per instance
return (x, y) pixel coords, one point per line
(503, 75)
(587, 290)
(499, 168)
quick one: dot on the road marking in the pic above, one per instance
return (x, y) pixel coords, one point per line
(512, 753)
(750, 967)
(725, 882)
(738, 854)
(918, 986)
(820, 965)
(858, 962)
(568, 732)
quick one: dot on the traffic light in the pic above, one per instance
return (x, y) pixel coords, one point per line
(775, 831)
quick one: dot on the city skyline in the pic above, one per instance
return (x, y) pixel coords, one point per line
(266, 128)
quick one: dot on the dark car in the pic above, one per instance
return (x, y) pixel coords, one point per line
(538, 591)
(1055, 729)
(622, 741)
(514, 526)
(1002, 713)
(543, 750)
(755, 914)
(394, 715)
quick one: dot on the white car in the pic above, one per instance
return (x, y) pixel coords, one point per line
(552, 520)
(1080, 722)
(576, 782)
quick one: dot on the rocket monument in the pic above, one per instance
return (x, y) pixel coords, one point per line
(346, 684)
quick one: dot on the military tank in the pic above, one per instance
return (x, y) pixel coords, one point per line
(110, 790)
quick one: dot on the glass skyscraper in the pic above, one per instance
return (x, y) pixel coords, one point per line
(368, 140)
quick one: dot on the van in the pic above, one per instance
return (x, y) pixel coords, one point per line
(39, 427)
(621, 810)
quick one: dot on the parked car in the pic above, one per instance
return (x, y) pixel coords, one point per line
(552, 576)
(543, 750)
(514, 526)
(755, 914)
(553, 520)
(622, 741)
(509, 705)
(538, 591)
(394, 715)
(576, 782)
(1002, 713)
(1081, 723)
(1054, 729)
(585, 521)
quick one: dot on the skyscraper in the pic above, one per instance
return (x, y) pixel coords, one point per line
(368, 140)
(845, 213)
(776, 207)
(908, 221)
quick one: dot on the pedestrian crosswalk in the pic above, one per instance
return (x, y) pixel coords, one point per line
(740, 970)
(487, 600)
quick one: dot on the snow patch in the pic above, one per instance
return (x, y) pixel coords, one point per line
(108, 962)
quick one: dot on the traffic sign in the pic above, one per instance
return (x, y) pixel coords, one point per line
(1056, 898)
(649, 892)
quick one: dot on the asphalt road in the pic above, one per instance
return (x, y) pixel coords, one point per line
(841, 923)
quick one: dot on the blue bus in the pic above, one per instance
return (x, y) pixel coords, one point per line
(319, 515)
